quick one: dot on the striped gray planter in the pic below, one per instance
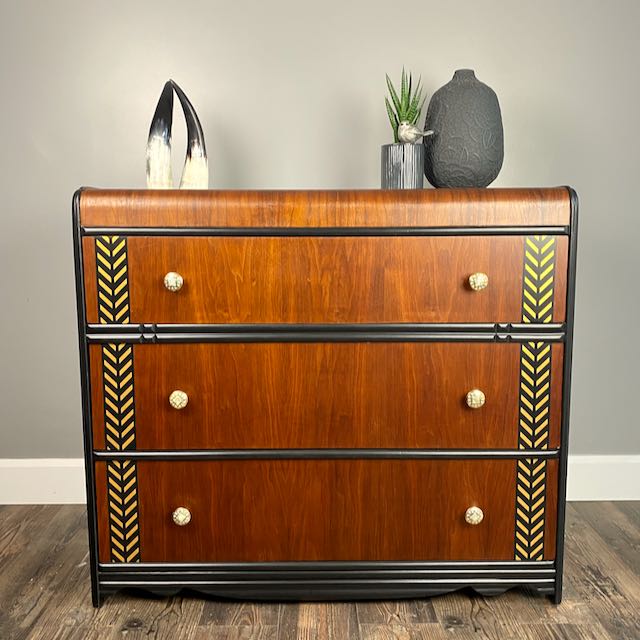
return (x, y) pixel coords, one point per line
(402, 166)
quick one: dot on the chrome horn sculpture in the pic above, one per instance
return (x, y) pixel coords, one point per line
(195, 173)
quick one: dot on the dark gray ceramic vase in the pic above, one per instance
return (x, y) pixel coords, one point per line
(467, 145)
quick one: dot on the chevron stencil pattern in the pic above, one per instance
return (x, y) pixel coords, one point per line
(119, 400)
(535, 398)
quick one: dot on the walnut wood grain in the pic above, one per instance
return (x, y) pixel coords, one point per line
(89, 269)
(308, 395)
(376, 208)
(326, 280)
(290, 510)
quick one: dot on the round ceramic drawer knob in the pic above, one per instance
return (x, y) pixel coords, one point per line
(181, 516)
(173, 281)
(478, 281)
(474, 515)
(475, 399)
(178, 399)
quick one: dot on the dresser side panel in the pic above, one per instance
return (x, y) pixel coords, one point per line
(90, 279)
(102, 507)
(560, 279)
(551, 511)
(97, 396)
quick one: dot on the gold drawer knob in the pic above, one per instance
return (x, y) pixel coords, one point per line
(173, 281)
(474, 515)
(475, 399)
(181, 516)
(178, 399)
(478, 281)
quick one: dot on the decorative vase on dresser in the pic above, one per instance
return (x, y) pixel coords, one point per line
(326, 395)
(467, 145)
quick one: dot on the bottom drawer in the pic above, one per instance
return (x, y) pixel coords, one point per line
(276, 510)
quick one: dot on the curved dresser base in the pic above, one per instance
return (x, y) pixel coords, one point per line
(325, 581)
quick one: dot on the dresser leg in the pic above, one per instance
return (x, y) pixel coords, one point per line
(96, 597)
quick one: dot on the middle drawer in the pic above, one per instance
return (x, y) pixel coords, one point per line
(317, 395)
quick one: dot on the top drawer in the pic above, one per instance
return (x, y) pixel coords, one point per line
(318, 279)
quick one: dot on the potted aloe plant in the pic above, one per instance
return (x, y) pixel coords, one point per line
(403, 161)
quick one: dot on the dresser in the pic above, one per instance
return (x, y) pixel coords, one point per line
(325, 394)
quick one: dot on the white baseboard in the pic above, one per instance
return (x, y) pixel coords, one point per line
(61, 480)
(611, 477)
(42, 481)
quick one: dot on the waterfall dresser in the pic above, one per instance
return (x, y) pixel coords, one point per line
(326, 394)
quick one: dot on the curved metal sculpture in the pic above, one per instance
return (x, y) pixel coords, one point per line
(195, 173)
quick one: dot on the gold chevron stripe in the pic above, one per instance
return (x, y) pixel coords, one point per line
(535, 398)
(119, 404)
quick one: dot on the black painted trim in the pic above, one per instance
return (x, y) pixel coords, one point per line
(357, 567)
(326, 231)
(329, 580)
(322, 454)
(319, 337)
(396, 332)
(465, 327)
(566, 395)
(85, 385)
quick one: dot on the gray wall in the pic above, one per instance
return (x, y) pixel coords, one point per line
(280, 86)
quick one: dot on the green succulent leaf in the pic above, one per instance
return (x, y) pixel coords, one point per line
(404, 93)
(416, 96)
(414, 112)
(393, 119)
(408, 105)
(394, 95)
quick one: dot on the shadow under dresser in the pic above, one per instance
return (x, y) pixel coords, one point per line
(326, 394)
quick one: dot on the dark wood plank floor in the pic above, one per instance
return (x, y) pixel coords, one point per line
(44, 593)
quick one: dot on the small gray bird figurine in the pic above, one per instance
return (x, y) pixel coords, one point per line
(409, 133)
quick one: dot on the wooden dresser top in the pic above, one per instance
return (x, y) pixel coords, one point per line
(375, 208)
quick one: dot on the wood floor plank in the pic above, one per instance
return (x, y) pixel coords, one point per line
(616, 528)
(14, 520)
(167, 618)
(43, 553)
(401, 632)
(608, 590)
(308, 621)
(265, 632)
(241, 614)
(401, 612)
(287, 621)
(562, 631)
(327, 621)
(631, 509)
(505, 616)
(45, 594)
(136, 617)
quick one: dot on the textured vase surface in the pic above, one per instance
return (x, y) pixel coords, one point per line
(402, 166)
(467, 146)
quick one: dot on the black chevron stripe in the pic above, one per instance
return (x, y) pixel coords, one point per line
(122, 486)
(113, 281)
(538, 278)
(118, 389)
(119, 400)
(530, 509)
(534, 399)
